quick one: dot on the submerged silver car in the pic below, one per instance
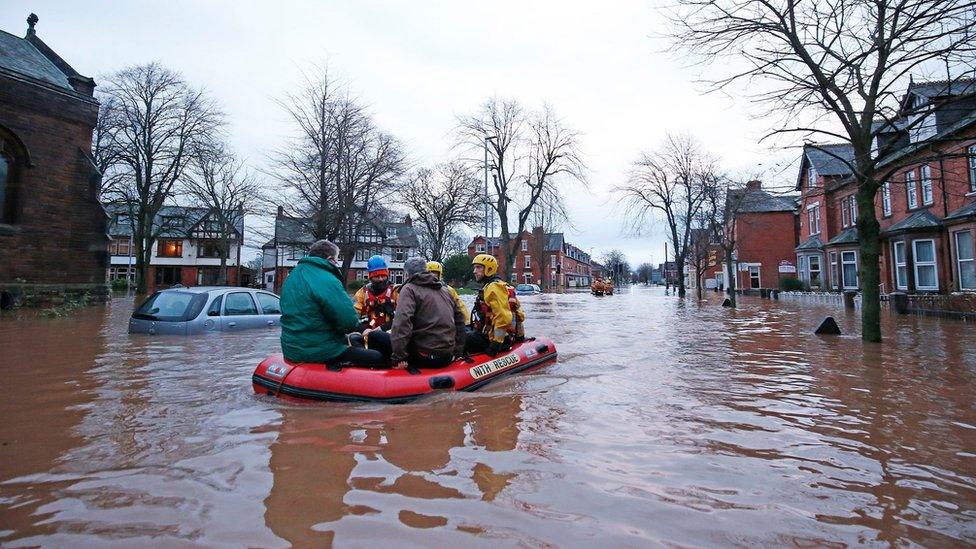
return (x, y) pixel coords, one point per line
(187, 311)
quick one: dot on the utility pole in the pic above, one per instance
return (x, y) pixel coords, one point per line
(487, 139)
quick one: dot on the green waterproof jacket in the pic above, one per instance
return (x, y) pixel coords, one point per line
(316, 312)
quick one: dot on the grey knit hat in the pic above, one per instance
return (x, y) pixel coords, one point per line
(414, 266)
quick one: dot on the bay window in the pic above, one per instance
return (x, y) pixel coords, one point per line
(901, 265)
(964, 260)
(849, 269)
(926, 275)
(813, 264)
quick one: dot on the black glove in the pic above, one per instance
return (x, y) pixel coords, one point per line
(494, 348)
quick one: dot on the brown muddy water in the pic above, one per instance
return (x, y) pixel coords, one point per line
(662, 423)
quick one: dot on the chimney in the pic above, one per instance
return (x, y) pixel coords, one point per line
(281, 211)
(407, 221)
(754, 184)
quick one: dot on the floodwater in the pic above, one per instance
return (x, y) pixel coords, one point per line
(662, 423)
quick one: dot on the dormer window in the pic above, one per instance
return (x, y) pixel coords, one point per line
(391, 232)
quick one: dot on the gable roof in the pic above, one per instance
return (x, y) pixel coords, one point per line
(291, 230)
(830, 159)
(176, 221)
(939, 88)
(969, 210)
(20, 57)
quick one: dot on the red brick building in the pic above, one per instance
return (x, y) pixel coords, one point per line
(764, 225)
(52, 227)
(926, 208)
(543, 258)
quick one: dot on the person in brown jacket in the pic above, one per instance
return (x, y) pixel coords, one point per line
(428, 327)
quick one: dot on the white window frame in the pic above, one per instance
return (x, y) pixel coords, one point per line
(525, 245)
(972, 168)
(811, 270)
(926, 185)
(845, 213)
(910, 190)
(527, 277)
(933, 263)
(813, 219)
(758, 272)
(903, 264)
(960, 261)
(480, 248)
(886, 199)
(552, 261)
(391, 232)
(528, 262)
(844, 262)
(811, 177)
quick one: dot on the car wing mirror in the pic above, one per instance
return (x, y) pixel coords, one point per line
(213, 313)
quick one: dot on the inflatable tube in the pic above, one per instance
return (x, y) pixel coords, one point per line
(278, 377)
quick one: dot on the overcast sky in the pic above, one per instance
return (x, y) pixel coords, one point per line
(420, 64)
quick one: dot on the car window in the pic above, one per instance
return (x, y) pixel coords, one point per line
(214, 309)
(167, 306)
(239, 303)
(269, 304)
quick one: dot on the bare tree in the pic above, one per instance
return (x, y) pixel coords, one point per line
(151, 122)
(548, 215)
(670, 182)
(833, 69)
(644, 271)
(617, 266)
(442, 201)
(217, 181)
(532, 154)
(722, 205)
(338, 169)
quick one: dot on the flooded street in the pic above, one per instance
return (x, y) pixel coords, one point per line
(661, 423)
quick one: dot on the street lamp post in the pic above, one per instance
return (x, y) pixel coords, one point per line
(487, 139)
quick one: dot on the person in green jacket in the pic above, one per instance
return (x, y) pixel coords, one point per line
(317, 313)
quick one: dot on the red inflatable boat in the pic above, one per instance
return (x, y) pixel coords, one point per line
(278, 377)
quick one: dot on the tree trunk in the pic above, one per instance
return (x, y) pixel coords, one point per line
(141, 264)
(868, 231)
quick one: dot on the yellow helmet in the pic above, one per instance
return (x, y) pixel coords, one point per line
(488, 261)
(435, 267)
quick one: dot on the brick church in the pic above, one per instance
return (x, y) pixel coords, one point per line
(52, 226)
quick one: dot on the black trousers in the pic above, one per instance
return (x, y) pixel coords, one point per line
(359, 356)
(378, 340)
(475, 342)
(420, 359)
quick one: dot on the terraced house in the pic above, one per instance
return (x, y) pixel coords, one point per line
(546, 259)
(927, 208)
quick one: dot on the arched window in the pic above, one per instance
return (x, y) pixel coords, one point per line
(12, 156)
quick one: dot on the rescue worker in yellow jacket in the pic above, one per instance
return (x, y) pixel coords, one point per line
(496, 318)
(375, 303)
(437, 269)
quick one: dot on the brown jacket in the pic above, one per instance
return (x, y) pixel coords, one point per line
(427, 319)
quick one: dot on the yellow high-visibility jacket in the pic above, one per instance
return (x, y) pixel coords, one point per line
(499, 314)
(460, 304)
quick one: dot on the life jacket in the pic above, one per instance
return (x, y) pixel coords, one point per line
(378, 308)
(483, 319)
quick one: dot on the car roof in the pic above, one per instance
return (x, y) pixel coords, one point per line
(206, 289)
